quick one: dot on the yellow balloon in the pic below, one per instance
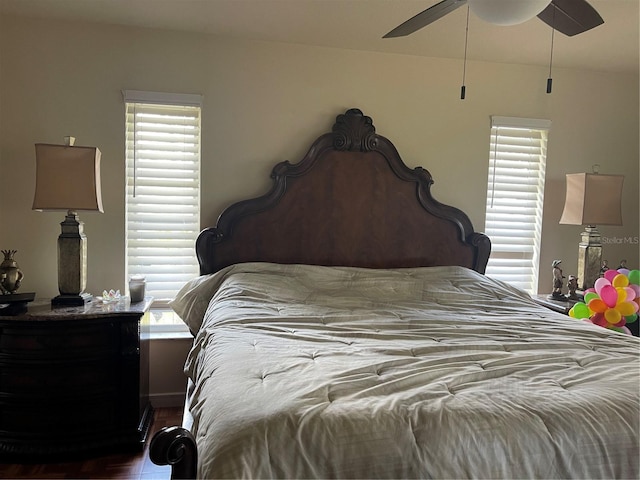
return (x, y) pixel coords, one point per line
(620, 280)
(622, 294)
(625, 309)
(613, 316)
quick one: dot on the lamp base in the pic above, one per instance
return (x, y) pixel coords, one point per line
(589, 257)
(15, 303)
(71, 300)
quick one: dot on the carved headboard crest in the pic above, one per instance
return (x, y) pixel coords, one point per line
(354, 131)
(350, 201)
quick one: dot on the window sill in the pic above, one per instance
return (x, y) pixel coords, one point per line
(166, 335)
(163, 324)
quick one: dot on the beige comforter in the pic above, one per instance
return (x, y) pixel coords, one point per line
(316, 372)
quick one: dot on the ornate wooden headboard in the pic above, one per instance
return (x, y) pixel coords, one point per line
(351, 201)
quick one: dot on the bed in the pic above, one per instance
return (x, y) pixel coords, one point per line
(344, 328)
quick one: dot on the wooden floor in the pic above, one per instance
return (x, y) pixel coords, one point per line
(121, 466)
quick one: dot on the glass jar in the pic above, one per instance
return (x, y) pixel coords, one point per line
(136, 288)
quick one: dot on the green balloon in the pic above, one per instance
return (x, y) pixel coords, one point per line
(590, 296)
(580, 310)
(634, 277)
(631, 318)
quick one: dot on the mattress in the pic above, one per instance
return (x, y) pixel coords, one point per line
(334, 372)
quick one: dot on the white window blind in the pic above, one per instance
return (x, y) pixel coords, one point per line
(515, 194)
(163, 190)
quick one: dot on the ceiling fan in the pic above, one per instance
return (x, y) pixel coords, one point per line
(570, 17)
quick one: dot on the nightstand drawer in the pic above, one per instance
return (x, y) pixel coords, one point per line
(97, 339)
(57, 379)
(51, 418)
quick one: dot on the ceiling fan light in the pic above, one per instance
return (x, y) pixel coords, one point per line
(507, 12)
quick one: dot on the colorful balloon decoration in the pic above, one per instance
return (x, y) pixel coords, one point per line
(613, 302)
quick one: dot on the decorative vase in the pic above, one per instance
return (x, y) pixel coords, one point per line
(10, 273)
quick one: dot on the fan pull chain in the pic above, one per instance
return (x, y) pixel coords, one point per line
(463, 89)
(553, 31)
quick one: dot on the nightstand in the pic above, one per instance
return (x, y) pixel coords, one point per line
(562, 306)
(565, 306)
(74, 381)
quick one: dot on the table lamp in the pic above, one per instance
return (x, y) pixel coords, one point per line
(68, 179)
(592, 199)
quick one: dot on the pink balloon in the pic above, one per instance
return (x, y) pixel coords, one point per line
(621, 323)
(609, 295)
(590, 290)
(636, 288)
(602, 282)
(626, 330)
(610, 274)
(630, 294)
(598, 319)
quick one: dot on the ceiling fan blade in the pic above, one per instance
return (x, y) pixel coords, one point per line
(426, 17)
(571, 16)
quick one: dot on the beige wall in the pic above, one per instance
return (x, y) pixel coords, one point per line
(167, 382)
(266, 102)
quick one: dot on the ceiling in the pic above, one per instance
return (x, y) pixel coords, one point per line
(360, 24)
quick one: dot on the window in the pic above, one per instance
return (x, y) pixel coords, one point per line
(162, 191)
(515, 190)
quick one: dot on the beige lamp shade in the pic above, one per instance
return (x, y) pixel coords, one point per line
(67, 178)
(593, 199)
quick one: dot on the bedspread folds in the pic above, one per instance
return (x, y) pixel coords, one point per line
(316, 372)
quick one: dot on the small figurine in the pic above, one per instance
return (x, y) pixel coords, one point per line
(604, 268)
(623, 264)
(572, 285)
(10, 274)
(557, 281)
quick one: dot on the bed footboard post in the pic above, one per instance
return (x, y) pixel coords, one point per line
(175, 446)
